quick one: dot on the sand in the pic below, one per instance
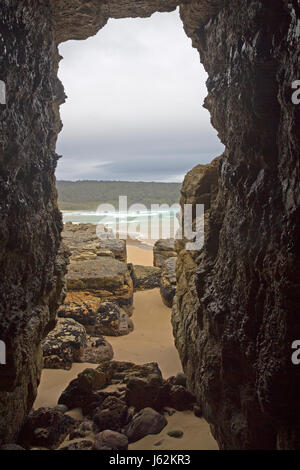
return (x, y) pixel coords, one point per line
(138, 255)
(196, 435)
(151, 341)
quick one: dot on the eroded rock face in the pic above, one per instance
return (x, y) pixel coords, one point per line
(237, 319)
(168, 281)
(31, 267)
(88, 242)
(234, 320)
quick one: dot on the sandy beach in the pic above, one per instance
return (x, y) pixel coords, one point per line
(151, 341)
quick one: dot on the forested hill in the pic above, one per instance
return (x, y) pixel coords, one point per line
(87, 195)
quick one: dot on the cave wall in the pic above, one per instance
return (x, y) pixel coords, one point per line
(32, 263)
(235, 339)
(235, 313)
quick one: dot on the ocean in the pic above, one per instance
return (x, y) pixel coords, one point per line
(145, 226)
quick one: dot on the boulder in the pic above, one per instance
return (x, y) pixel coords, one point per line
(162, 250)
(97, 350)
(144, 392)
(168, 281)
(111, 320)
(69, 343)
(86, 391)
(104, 277)
(110, 440)
(45, 427)
(104, 318)
(144, 277)
(147, 421)
(112, 415)
(64, 344)
(82, 391)
(81, 307)
(180, 398)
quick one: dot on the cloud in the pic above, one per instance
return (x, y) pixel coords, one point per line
(134, 108)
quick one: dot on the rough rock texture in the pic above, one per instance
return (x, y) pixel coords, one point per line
(64, 344)
(46, 428)
(112, 320)
(106, 278)
(31, 266)
(144, 277)
(69, 343)
(162, 250)
(235, 343)
(110, 440)
(235, 321)
(102, 318)
(168, 281)
(87, 241)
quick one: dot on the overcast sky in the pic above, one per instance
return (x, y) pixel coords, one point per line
(134, 109)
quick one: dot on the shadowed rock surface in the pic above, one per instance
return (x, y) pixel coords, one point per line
(236, 319)
(168, 281)
(144, 277)
(147, 421)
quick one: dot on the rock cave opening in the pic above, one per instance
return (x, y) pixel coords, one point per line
(234, 314)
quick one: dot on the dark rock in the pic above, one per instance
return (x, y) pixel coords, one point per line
(11, 447)
(64, 345)
(234, 315)
(123, 372)
(143, 393)
(144, 277)
(180, 379)
(110, 440)
(79, 444)
(69, 343)
(45, 427)
(197, 409)
(111, 320)
(147, 421)
(168, 281)
(180, 398)
(175, 433)
(82, 390)
(112, 415)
